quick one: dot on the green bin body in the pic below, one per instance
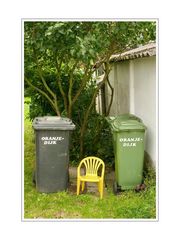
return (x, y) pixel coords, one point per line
(52, 136)
(128, 140)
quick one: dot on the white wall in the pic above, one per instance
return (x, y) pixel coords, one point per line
(134, 83)
(144, 104)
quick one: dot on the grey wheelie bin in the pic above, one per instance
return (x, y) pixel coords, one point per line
(52, 136)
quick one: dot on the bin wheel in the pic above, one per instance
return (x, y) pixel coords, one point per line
(34, 177)
(116, 189)
(140, 187)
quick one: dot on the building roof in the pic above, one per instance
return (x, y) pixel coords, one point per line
(143, 51)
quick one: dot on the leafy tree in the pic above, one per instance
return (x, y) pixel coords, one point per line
(60, 59)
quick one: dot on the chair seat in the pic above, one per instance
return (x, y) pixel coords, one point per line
(90, 178)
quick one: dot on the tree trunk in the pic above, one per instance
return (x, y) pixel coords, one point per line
(84, 124)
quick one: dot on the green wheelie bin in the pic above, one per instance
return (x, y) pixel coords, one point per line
(128, 141)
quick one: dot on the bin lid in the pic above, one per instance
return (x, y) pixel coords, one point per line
(53, 122)
(119, 125)
(125, 116)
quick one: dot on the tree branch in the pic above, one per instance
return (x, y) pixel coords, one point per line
(112, 96)
(44, 94)
(47, 87)
(70, 89)
(60, 85)
(44, 81)
(107, 68)
(38, 66)
(83, 84)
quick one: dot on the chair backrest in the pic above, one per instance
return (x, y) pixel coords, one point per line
(92, 164)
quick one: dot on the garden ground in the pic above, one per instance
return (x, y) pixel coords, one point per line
(66, 205)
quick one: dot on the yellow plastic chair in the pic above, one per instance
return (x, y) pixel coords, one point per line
(93, 166)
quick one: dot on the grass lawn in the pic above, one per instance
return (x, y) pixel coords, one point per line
(66, 205)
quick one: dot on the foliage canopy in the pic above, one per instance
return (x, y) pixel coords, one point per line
(61, 58)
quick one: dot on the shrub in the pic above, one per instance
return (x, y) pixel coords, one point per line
(97, 139)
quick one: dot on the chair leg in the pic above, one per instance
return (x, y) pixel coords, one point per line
(78, 186)
(83, 186)
(101, 189)
(99, 186)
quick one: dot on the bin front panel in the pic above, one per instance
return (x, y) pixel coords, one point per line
(129, 157)
(52, 159)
